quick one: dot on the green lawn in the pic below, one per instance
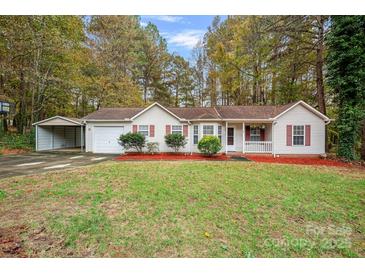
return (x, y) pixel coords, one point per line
(186, 209)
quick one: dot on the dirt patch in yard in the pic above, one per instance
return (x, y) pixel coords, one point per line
(8, 151)
(11, 243)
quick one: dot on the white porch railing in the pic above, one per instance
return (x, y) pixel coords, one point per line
(258, 146)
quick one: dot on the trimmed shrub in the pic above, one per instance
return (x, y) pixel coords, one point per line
(175, 141)
(209, 145)
(152, 147)
(136, 141)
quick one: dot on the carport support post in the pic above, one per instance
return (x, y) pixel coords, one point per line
(36, 138)
(82, 137)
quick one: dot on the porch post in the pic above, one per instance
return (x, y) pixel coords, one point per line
(243, 137)
(272, 138)
(226, 137)
(191, 137)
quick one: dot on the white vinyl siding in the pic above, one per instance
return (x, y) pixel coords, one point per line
(78, 136)
(57, 137)
(160, 118)
(44, 138)
(299, 116)
(70, 136)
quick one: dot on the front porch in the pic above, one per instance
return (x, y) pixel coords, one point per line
(249, 137)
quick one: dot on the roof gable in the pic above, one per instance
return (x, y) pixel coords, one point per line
(59, 121)
(156, 105)
(306, 106)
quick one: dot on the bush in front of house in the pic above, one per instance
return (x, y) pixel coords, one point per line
(175, 141)
(136, 141)
(209, 145)
(152, 147)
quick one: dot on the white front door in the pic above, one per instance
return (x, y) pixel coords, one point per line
(231, 142)
(106, 139)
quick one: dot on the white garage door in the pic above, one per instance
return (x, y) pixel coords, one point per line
(106, 139)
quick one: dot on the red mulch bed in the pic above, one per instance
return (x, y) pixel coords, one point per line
(222, 157)
(298, 161)
(170, 157)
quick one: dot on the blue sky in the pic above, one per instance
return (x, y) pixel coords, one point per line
(181, 32)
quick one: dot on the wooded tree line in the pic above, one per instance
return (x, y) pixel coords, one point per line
(72, 65)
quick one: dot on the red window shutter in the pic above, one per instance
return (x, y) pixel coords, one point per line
(307, 135)
(262, 134)
(289, 135)
(152, 130)
(247, 133)
(135, 129)
(168, 129)
(186, 130)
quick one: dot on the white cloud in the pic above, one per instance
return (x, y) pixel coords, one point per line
(168, 18)
(143, 24)
(186, 38)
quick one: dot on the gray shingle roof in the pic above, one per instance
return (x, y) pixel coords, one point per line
(192, 113)
(113, 114)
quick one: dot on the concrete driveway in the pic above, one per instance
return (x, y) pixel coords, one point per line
(33, 163)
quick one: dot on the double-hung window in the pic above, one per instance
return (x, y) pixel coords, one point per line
(176, 130)
(196, 134)
(298, 135)
(143, 129)
(220, 133)
(208, 130)
(255, 134)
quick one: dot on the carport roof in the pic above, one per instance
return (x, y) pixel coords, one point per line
(59, 121)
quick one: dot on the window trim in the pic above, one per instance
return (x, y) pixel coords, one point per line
(220, 134)
(195, 134)
(175, 131)
(256, 134)
(148, 130)
(298, 135)
(210, 125)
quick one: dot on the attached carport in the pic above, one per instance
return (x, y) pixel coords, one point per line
(59, 133)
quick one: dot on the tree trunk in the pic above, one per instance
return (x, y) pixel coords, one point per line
(22, 108)
(363, 141)
(319, 66)
(177, 96)
(145, 92)
(319, 72)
